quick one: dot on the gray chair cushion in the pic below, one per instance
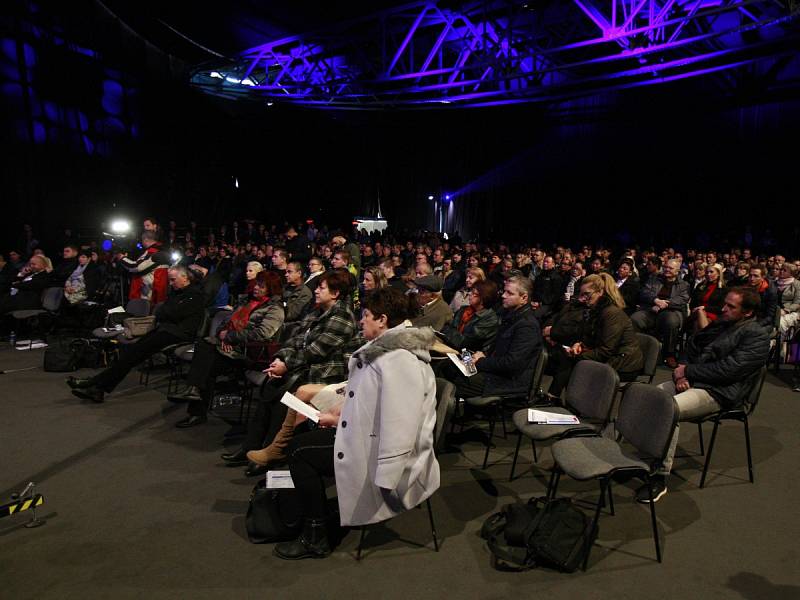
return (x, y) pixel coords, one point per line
(548, 432)
(483, 400)
(587, 458)
(106, 335)
(185, 352)
(27, 314)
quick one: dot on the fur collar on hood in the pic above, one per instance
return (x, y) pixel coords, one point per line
(417, 340)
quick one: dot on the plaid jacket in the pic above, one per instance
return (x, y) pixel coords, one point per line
(319, 345)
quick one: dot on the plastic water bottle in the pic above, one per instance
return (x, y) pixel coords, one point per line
(466, 357)
(12, 339)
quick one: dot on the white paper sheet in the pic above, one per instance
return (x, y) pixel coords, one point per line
(279, 480)
(295, 403)
(550, 418)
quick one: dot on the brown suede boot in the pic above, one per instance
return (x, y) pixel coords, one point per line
(277, 449)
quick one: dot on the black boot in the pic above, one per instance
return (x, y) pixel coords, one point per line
(237, 458)
(312, 543)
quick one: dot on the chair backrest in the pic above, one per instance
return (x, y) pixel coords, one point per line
(538, 373)
(591, 389)
(445, 408)
(51, 298)
(647, 419)
(651, 348)
(138, 307)
(753, 396)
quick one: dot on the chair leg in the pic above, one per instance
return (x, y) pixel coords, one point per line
(653, 517)
(361, 541)
(603, 487)
(610, 499)
(489, 442)
(700, 435)
(552, 486)
(747, 442)
(502, 410)
(533, 447)
(708, 454)
(433, 527)
(516, 454)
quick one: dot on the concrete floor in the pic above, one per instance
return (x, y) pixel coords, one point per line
(135, 508)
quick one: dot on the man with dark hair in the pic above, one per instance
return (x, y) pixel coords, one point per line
(723, 360)
(766, 315)
(297, 246)
(546, 298)
(394, 280)
(296, 296)
(280, 259)
(177, 321)
(65, 268)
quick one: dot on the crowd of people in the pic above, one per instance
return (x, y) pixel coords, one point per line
(347, 322)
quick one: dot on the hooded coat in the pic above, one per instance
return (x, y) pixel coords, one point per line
(383, 455)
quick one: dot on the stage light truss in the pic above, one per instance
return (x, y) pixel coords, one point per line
(487, 53)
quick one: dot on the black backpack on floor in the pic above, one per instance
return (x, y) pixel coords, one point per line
(541, 532)
(64, 355)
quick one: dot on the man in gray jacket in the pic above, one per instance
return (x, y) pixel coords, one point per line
(724, 359)
(662, 308)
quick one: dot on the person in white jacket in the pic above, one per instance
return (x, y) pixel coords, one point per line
(379, 443)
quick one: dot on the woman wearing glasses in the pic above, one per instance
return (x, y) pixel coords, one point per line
(605, 334)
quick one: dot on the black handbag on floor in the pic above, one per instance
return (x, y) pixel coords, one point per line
(273, 515)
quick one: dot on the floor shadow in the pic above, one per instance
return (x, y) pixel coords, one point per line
(753, 586)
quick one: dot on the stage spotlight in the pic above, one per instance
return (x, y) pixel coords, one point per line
(447, 197)
(176, 257)
(120, 227)
(107, 245)
(248, 81)
(230, 79)
(430, 197)
(215, 75)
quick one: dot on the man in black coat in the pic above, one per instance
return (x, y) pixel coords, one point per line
(178, 320)
(26, 291)
(724, 360)
(509, 368)
(68, 264)
(546, 297)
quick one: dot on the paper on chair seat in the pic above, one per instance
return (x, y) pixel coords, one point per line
(543, 417)
(279, 480)
(298, 405)
(116, 309)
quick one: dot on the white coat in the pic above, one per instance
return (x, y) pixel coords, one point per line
(383, 455)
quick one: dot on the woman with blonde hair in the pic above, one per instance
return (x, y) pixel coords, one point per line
(606, 334)
(461, 297)
(708, 297)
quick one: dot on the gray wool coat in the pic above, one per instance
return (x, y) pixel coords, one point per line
(383, 454)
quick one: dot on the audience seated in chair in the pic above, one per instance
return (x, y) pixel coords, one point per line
(316, 354)
(663, 303)
(546, 298)
(604, 334)
(258, 321)
(434, 310)
(26, 289)
(178, 319)
(722, 359)
(474, 326)
(379, 443)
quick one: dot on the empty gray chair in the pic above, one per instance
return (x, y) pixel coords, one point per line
(589, 395)
(647, 418)
(651, 349)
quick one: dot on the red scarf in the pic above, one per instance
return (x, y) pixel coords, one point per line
(466, 317)
(241, 317)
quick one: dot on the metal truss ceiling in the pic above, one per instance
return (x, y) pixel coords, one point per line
(486, 53)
